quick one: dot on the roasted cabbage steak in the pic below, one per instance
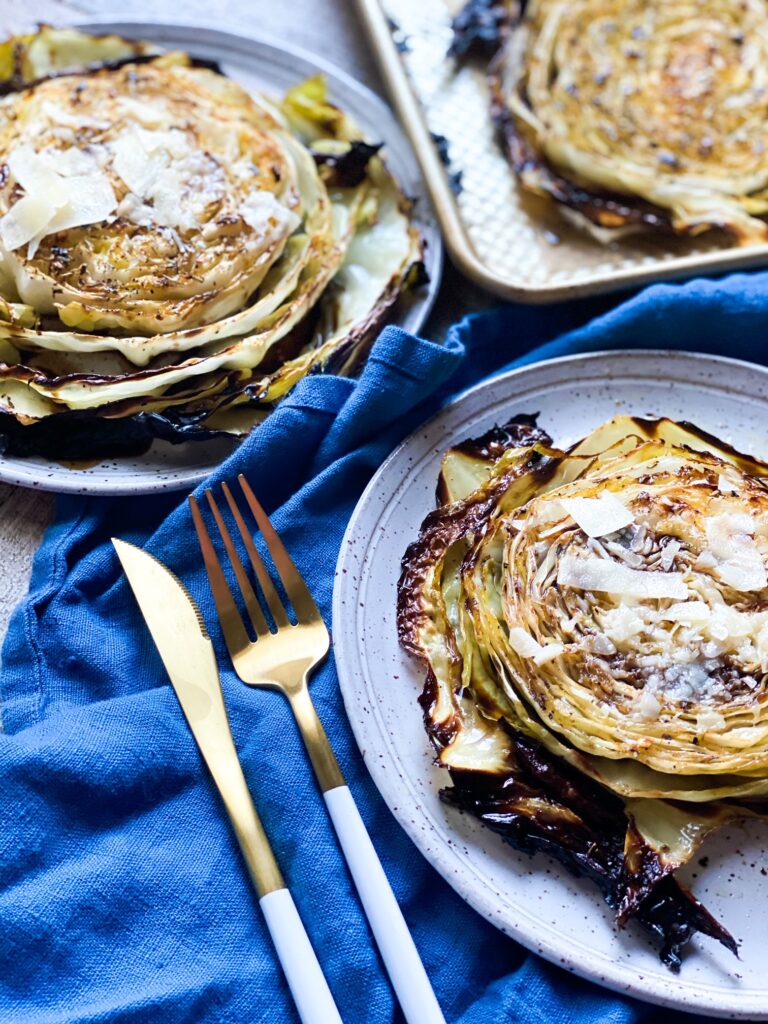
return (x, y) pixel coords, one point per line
(594, 627)
(632, 115)
(176, 253)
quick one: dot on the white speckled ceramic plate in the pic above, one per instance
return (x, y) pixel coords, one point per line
(535, 900)
(267, 66)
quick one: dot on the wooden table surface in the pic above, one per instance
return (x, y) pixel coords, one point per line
(329, 27)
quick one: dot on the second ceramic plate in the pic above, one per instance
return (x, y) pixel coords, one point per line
(536, 901)
(261, 65)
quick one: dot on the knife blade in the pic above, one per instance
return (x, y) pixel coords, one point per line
(179, 633)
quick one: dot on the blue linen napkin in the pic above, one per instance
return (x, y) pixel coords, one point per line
(122, 894)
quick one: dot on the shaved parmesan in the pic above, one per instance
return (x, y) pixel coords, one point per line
(267, 215)
(170, 178)
(691, 613)
(744, 575)
(522, 643)
(57, 115)
(598, 516)
(668, 554)
(89, 199)
(69, 161)
(53, 201)
(731, 540)
(31, 170)
(726, 486)
(26, 219)
(724, 529)
(147, 114)
(140, 156)
(604, 575)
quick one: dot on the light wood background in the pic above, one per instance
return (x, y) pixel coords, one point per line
(329, 27)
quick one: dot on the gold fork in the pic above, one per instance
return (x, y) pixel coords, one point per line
(282, 658)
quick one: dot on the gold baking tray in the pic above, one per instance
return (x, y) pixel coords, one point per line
(511, 243)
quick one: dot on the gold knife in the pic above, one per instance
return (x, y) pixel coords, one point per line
(181, 638)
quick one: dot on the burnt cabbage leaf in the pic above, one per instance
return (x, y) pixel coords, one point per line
(594, 630)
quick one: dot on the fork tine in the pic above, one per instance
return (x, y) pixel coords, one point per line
(252, 605)
(295, 587)
(229, 617)
(276, 606)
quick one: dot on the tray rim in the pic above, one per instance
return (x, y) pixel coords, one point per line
(457, 241)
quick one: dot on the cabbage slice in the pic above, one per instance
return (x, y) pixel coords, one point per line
(504, 694)
(638, 116)
(314, 304)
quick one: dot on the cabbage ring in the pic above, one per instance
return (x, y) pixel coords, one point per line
(175, 251)
(200, 196)
(637, 115)
(595, 627)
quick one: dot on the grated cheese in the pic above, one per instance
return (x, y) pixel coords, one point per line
(263, 212)
(709, 721)
(170, 183)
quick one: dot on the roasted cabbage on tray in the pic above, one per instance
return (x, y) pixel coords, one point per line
(633, 115)
(175, 253)
(594, 627)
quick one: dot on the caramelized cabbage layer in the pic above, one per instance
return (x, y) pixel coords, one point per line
(176, 249)
(598, 616)
(637, 114)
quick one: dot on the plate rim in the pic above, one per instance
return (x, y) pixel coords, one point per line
(49, 477)
(353, 553)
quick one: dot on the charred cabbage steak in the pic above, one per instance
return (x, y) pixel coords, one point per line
(594, 628)
(175, 253)
(633, 115)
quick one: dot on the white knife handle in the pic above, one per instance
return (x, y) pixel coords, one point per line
(302, 971)
(396, 945)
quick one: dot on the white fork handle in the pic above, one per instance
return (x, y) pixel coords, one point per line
(305, 978)
(396, 945)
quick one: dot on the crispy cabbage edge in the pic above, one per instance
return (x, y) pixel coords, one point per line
(622, 823)
(356, 254)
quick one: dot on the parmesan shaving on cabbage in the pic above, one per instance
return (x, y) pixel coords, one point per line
(731, 541)
(604, 575)
(52, 201)
(525, 645)
(599, 516)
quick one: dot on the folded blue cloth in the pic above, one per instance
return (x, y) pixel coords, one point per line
(122, 894)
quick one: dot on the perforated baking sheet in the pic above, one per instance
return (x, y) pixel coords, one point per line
(510, 242)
